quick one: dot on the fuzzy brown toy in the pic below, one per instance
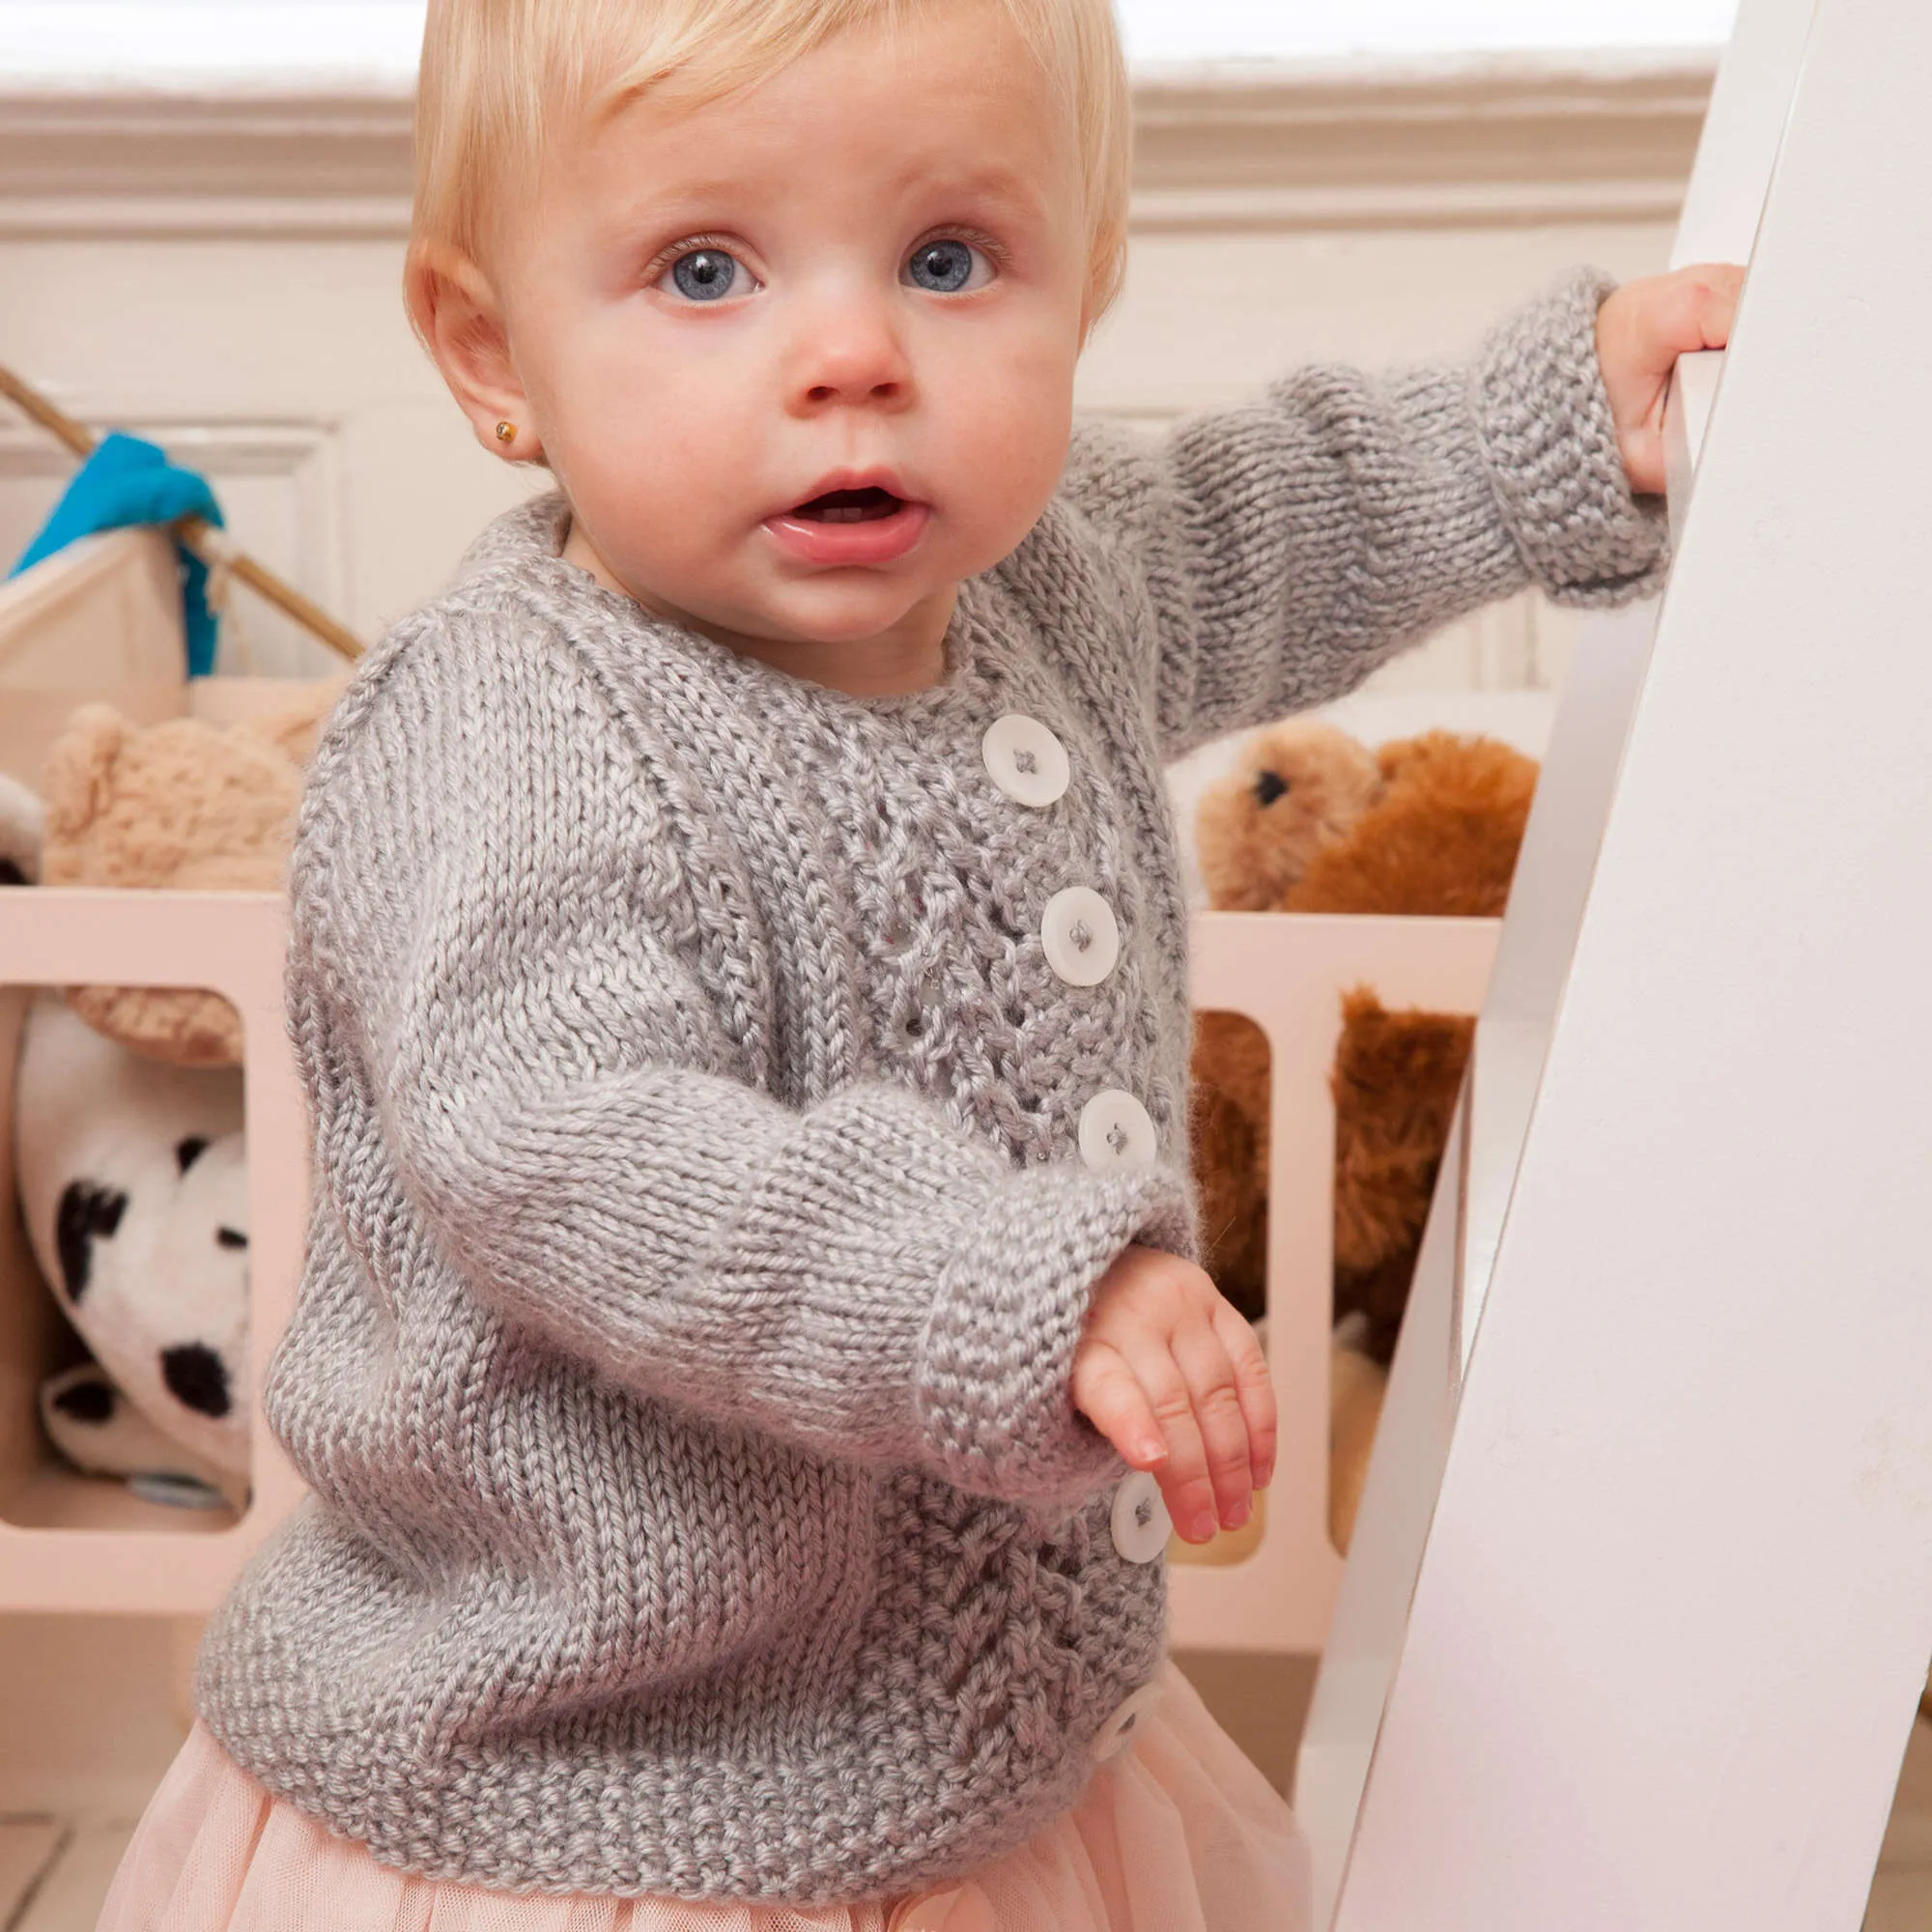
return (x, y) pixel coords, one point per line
(183, 804)
(1311, 821)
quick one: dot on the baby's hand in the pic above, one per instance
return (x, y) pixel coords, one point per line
(1175, 1379)
(1641, 330)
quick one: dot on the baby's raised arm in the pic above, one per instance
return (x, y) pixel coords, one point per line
(1287, 548)
(567, 1108)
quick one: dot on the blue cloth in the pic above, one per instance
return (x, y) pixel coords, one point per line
(128, 481)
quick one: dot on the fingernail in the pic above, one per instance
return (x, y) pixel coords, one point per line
(1203, 1526)
(1237, 1516)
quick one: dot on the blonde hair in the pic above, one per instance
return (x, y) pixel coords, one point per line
(499, 77)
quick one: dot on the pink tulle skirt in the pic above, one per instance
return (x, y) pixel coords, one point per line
(1179, 1833)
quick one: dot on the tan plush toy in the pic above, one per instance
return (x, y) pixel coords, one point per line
(183, 804)
(1310, 820)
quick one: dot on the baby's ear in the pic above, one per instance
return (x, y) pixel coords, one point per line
(455, 310)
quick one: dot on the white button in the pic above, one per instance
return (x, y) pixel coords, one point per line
(1118, 1733)
(1026, 760)
(1116, 1131)
(1082, 939)
(1140, 1523)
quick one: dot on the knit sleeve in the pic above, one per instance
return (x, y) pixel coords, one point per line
(1287, 548)
(498, 949)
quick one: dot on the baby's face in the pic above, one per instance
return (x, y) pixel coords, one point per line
(802, 360)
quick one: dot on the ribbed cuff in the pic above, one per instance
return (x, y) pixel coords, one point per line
(1550, 446)
(996, 1362)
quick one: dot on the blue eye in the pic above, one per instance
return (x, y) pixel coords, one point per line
(946, 266)
(708, 276)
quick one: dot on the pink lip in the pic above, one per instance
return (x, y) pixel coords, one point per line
(878, 540)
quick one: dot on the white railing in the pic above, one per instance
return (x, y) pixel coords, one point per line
(1641, 1598)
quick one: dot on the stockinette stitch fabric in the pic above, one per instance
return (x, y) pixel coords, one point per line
(699, 1241)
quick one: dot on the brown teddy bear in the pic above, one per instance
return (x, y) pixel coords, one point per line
(1309, 820)
(183, 804)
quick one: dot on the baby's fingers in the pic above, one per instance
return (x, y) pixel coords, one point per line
(1215, 1395)
(1107, 1393)
(1256, 1387)
(1139, 1401)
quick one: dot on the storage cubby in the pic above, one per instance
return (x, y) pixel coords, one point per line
(72, 1091)
(1272, 1586)
(71, 1541)
(100, 621)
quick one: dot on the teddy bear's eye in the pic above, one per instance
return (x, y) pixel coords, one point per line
(1270, 786)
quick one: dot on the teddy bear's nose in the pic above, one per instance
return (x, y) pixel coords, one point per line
(1270, 786)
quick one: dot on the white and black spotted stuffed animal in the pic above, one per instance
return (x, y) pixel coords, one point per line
(133, 1188)
(133, 1184)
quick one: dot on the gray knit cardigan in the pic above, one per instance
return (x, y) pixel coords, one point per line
(699, 1241)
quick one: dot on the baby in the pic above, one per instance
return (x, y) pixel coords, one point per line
(751, 1351)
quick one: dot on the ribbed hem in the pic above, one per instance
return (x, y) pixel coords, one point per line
(996, 1364)
(859, 1817)
(1550, 446)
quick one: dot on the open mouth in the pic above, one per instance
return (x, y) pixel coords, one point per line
(850, 506)
(863, 526)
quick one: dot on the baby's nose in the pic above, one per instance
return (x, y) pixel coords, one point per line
(831, 392)
(851, 353)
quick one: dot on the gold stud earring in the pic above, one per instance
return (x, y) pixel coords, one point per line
(506, 432)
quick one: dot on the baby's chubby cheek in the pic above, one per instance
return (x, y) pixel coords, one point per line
(1012, 473)
(1002, 428)
(658, 513)
(684, 509)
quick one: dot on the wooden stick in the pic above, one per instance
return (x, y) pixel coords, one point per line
(207, 544)
(30, 402)
(197, 533)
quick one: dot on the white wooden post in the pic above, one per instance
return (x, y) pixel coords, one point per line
(1675, 1603)
(1723, 207)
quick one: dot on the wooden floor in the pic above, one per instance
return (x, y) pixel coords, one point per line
(54, 1872)
(1901, 1899)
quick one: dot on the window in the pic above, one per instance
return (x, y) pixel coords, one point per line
(377, 40)
(1219, 29)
